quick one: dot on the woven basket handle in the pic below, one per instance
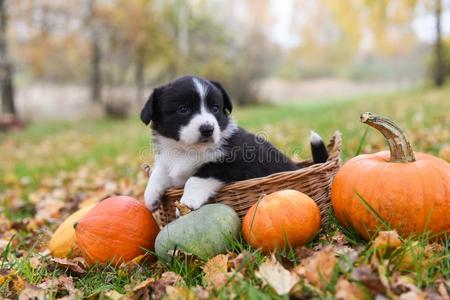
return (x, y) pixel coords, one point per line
(334, 146)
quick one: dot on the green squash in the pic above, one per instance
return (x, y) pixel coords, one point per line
(205, 232)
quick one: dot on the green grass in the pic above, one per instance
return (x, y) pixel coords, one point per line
(113, 150)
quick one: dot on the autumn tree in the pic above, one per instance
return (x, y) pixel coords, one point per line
(94, 34)
(6, 72)
(439, 66)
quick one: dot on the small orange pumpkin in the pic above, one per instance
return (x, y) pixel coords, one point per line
(117, 229)
(410, 191)
(283, 218)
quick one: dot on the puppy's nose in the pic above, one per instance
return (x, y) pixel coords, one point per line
(206, 130)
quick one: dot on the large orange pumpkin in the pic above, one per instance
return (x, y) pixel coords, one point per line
(410, 191)
(281, 219)
(117, 229)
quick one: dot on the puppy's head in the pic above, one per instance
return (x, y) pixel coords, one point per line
(189, 109)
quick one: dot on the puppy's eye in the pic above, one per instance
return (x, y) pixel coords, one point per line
(215, 108)
(183, 109)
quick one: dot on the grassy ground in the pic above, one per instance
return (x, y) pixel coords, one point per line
(48, 169)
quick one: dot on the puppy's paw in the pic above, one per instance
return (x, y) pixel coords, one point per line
(152, 205)
(152, 199)
(193, 201)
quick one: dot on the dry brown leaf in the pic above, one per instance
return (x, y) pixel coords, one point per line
(19, 284)
(215, 269)
(201, 292)
(114, 295)
(179, 293)
(369, 278)
(156, 288)
(318, 268)
(167, 279)
(386, 240)
(77, 264)
(271, 272)
(32, 292)
(171, 278)
(35, 262)
(442, 289)
(241, 261)
(48, 209)
(6, 274)
(413, 295)
(409, 258)
(5, 224)
(346, 290)
(66, 283)
(303, 252)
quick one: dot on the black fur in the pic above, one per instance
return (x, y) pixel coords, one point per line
(246, 156)
(319, 152)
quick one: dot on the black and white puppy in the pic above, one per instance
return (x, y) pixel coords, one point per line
(199, 146)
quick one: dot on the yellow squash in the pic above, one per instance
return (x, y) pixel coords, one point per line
(63, 242)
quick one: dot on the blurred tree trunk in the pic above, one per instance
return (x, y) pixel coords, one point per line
(139, 75)
(439, 61)
(96, 81)
(6, 73)
(96, 72)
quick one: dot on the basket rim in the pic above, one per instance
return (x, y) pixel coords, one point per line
(334, 149)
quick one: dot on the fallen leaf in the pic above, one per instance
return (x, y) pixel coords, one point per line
(303, 252)
(144, 284)
(346, 290)
(201, 292)
(6, 275)
(77, 264)
(19, 284)
(66, 283)
(413, 295)
(34, 262)
(401, 283)
(114, 295)
(241, 261)
(32, 292)
(48, 209)
(180, 293)
(369, 278)
(386, 240)
(215, 269)
(318, 268)
(171, 278)
(271, 272)
(442, 289)
(416, 256)
(156, 288)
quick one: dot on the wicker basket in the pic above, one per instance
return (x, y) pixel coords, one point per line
(311, 179)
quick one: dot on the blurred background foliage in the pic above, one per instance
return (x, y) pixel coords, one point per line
(115, 51)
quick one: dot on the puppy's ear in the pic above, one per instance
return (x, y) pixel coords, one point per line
(226, 98)
(149, 107)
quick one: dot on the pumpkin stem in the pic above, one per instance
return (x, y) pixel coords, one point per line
(399, 146)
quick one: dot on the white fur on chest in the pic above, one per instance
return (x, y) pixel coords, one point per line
(181, 161)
